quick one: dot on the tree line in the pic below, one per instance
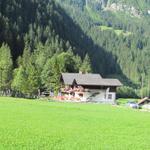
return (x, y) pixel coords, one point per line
(37, 34)
(32, 54)
(38, 70)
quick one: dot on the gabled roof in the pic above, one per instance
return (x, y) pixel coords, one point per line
(88, 79)
(144, 100)
(112, 82)
(69, 78)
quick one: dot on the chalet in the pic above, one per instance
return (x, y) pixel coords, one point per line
(89, 87)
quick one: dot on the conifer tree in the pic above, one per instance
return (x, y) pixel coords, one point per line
(55, 78)
(51, 74)
(26, 77)
(19, 82)
(33, 77)
(86, 65)
(6, 66)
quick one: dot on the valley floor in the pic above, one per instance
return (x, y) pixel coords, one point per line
(27, 124)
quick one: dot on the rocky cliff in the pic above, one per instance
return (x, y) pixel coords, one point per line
(132, 9)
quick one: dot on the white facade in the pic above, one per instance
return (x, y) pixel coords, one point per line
(97, 95)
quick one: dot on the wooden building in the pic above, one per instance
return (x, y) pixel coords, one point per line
(89, 88)
(144, 103)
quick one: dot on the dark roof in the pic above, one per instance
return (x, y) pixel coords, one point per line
(68, 78)
(112, 82)
(88, 79)
(144, 100)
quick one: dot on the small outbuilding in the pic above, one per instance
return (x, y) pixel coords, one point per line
(89, 87)
(144, 103)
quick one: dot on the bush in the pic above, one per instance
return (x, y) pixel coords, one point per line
(126, 92)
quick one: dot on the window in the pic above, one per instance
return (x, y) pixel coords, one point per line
(81, 94)
(109, 96)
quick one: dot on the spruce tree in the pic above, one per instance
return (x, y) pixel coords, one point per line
(86, 65)
(26, 76)
(6, 66)
(33, 77)
(19, 82)
(51, 74)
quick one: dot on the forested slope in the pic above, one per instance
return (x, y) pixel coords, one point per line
(81, 34)
(36, 33)
(122, 29)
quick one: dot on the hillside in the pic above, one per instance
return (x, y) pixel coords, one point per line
(122, 29)
(37, 35)
(33, 21)
(112, 35)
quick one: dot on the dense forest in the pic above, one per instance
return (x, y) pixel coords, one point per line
(39, 39)
(32, 53)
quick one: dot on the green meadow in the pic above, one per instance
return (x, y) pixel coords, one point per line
(118, 32)
(45, 125)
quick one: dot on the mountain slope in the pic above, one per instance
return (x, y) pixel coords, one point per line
(114, 33)
(121, 28)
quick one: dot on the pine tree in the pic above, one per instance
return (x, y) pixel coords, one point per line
(66, 62)
(26, 55)
(33, 78)
(19, 82)
(6, 67)
(78, 62)
(55, 78)
(26, 76)
(86, 65)
(51, 75)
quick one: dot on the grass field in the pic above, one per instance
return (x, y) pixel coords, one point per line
(123, 101)
(118, 32)
(37, 125)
